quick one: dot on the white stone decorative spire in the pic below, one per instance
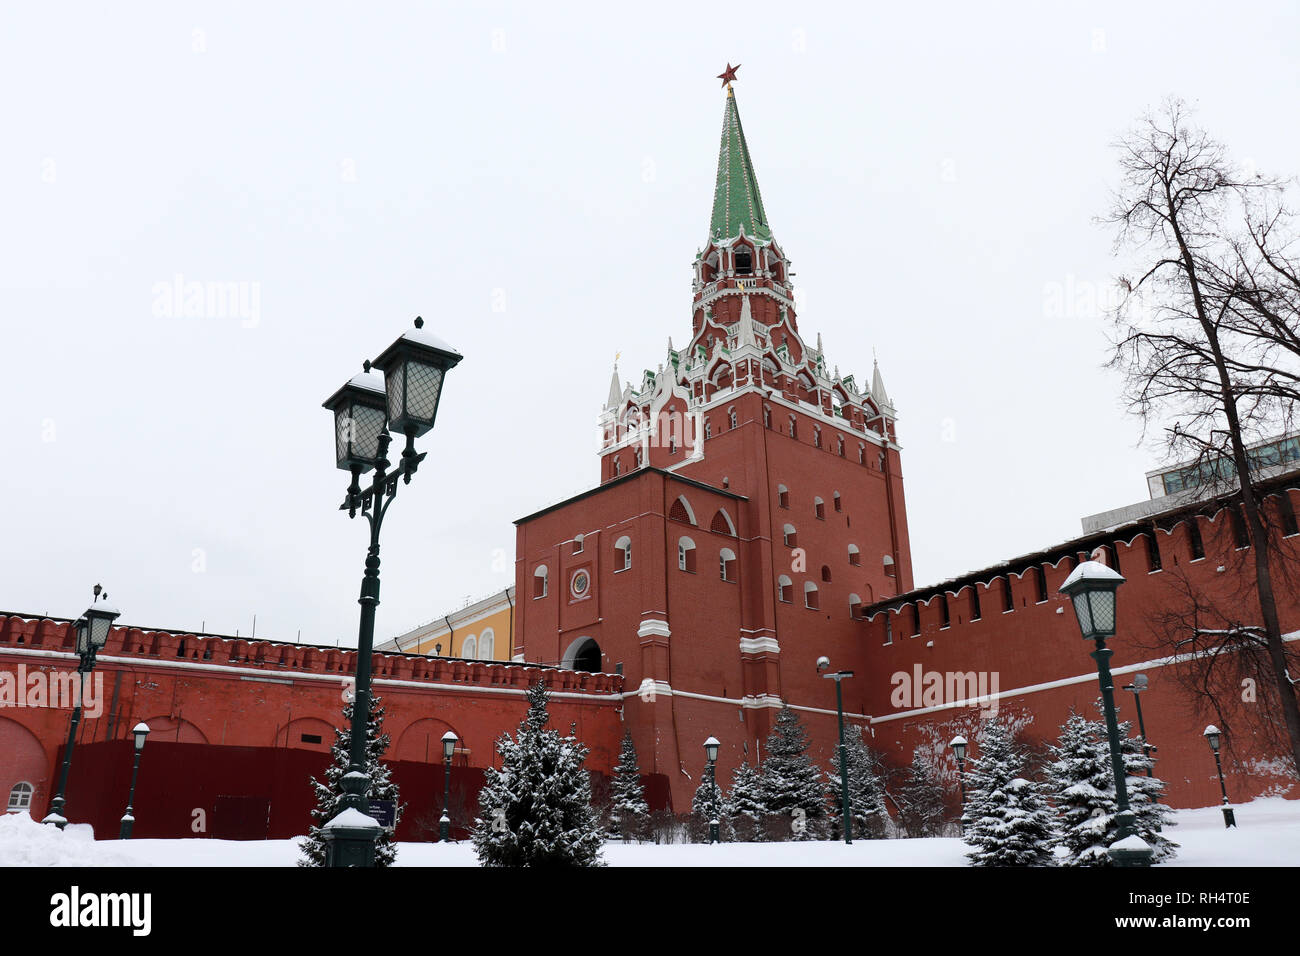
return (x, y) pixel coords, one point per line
(615, 390)
(745, 330)
(878, 386)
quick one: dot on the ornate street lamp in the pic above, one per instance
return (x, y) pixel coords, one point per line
(1091, 588)
(448, 748)
(92, 634)
(407, 396)
(711, 752)
(140, 731)
(1137, 687)
(958, 746)
(1212, 735)
(822, 664)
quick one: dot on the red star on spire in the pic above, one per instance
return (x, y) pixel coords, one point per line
(729, 74)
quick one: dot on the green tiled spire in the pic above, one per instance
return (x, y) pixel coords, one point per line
(736, 200)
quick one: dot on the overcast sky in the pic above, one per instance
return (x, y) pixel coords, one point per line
(534, 179)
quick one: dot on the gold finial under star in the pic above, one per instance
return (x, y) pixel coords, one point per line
(728, 75)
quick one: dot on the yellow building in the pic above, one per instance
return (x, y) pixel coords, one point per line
(482, 630)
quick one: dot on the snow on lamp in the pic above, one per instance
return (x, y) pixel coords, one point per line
(1091, 588)
(449, 741)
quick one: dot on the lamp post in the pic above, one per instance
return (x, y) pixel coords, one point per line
(92, 634)
(711, 752)
(140, 731)
(405, 401)
(1212, 734)
(1091, 588)
(958, 746)
(448, 748)
(1137, 687)
(822, 664)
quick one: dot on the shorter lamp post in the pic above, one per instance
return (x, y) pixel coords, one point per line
(140, 731)
(1091, 588)
(449, 740)
(92, 634)
(823, 664)
(1212, 734)
(711, 752)
(958, 746)
(1137, 687)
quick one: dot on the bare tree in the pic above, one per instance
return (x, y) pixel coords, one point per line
(1189, 329)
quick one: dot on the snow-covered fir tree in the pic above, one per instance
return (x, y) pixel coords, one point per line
(922, 807)
(1082, 783)
(744, 807)
(536, 809)
(866, 790)
(707, 805)
(329, 792)
(1009, 822)
(1082, 787)
(792, 787)
(628, 808)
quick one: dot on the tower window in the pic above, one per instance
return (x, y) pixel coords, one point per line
(944, 612)
(1194, 538)
(540, 577)
(708, 429)
(862, 454)
(686, 555)
(577, 544)
(783, 586)
(727, 564)
(623, 553)
(731, 418)
(783, 496)
(840, 449)
(794, 427)
(817, 437)
(826, 574)
(810, 596)
(1040, 579)
(975, 602)
(1008, 603)
(819, 509)
(767, 416)
(744, 264)
(790, 537)
(855, 556)
(836, 498)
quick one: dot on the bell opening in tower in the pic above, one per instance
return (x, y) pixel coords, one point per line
(744, 264)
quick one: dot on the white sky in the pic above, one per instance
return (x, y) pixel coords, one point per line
(534, 179)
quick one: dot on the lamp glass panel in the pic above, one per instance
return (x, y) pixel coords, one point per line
(83, 637)
(395, 385)
(1103, 610)
(367, 426)
(139, 739)
(99, 630)
(423, 385)
(1082, 612)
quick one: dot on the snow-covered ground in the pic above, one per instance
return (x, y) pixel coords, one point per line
(1267, 834)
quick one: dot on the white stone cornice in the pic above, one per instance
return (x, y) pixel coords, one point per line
(759, 645)
(653, 628)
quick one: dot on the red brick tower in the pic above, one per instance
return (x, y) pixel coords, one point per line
(751, 500)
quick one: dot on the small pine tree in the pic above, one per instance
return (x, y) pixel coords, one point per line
(866, 790)
(536, 810)
(922, 810)
(627, 797)
(792, 787)
(1083, 783)
(1082, 786)
(706, 806)
(1009, 822)
(1144, 795)
(744, 808)
(330, 793)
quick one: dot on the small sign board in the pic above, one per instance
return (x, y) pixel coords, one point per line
(383, 811)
